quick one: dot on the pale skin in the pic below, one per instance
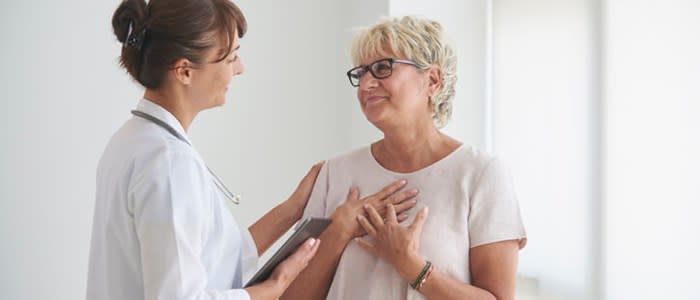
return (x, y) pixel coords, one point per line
(399, 107)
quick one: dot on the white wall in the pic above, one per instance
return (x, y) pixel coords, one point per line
(652, 97)
(595, 109)
(62, 96)
(544, 118)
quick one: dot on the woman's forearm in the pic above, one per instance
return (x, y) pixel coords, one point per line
(443, 286)
(313, 283)
(273, 225)
(499, 284)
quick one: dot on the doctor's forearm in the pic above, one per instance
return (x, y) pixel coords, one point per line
(268, 290)
(274, 224)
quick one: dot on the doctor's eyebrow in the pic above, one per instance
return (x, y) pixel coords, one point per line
(222, 51)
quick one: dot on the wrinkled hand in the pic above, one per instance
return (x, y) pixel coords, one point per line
(300, 196)
(345, 215)
(394, 243)
(290, 268)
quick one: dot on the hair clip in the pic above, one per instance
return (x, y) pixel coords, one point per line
(135, 39)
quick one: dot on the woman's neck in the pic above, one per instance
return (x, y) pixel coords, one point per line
(411, 148)
(175, 103)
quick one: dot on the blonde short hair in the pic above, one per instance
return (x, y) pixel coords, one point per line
(419, 40)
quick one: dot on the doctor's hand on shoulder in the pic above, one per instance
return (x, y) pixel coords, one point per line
(297, 201)
(275, 223)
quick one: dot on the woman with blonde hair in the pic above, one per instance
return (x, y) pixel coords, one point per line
(405, 74)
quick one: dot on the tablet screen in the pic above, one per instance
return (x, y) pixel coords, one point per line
(311, 227)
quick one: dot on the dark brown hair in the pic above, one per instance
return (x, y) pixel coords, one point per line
(172, 30)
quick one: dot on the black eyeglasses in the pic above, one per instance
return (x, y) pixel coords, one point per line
(380, 69)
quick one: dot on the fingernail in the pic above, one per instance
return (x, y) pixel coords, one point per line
(413, 191)
(403, 181)
(425, 210)
(311, 241)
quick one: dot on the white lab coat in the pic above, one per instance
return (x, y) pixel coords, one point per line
(161, 229)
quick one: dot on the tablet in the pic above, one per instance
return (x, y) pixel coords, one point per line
(311, 227)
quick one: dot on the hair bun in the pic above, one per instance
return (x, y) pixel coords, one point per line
(128, 12)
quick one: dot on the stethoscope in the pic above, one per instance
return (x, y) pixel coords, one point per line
(236, 199)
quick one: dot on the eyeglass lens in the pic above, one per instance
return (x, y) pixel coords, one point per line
(379, 69)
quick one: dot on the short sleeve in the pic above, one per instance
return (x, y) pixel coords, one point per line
(316, 206)
(494, 213)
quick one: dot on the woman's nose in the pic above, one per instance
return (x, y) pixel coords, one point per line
(367, 81)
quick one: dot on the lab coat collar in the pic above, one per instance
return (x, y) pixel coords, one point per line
(162, 114)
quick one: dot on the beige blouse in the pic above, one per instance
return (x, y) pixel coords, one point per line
(471, 200)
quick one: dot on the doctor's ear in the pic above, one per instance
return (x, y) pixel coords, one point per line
(182, 71)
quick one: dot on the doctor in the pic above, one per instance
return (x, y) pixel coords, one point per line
(161, 229)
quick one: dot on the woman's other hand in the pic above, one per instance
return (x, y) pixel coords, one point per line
(345, 216)
(301, 195)
(396, 244)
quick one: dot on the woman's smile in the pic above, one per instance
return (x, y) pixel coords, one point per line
(374, 99)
